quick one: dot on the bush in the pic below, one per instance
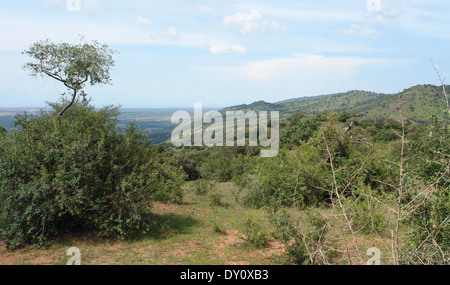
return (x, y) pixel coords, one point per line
(368, 214)
(189, 160)
(79, 174)
(218, 228)
(216, 198)
(222, 164)
(286, 231)
(202, 187)
(299, 130)
(253, 232)
(277, 181)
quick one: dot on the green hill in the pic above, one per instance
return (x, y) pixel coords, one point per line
(340, 102)
(419, 102)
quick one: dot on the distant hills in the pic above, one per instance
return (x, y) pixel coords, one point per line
(418, 102)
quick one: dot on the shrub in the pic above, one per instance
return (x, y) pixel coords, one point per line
(189, 160)
(80, 173)
(277, 181)
(286, 231)
(299, 130)
(222, 164)
(368, 214)
(219, 228)
(253, 232)
(202, 187)
(216, 198)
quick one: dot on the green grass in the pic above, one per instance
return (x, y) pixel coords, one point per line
(196, 232)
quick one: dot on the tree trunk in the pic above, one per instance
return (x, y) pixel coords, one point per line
(68, 105)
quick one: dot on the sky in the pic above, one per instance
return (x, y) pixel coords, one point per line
(175, 53)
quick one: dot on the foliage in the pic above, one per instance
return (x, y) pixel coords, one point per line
(80, 174)
(72, 65)
(224, 163)
(218, 228)
(188, 160)
(430, 226)
(286, 231)
(203, 187)
(253, 232)
(299, 131)
(278, 181)
(367, 213)
(215, 198)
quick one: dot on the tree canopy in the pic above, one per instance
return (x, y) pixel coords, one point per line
(74, 65)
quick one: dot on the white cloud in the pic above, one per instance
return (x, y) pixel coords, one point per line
(206, 9)
(250, 22)
(385, 12)
(143, 20)
(87, 6)
(303, 69)
(172, 32)
(92, 5)
(357, 30)
(221, 47)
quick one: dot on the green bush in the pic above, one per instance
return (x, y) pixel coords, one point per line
(430, 225)
(287, 232)
(202, 187)
(299, 131)
(188, 160)
(218, 228)
(277, 181)
(368, 215)
(81, 173)
(253, 232)
(216, 198)
(224, 163)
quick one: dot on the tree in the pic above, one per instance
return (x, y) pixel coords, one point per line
(73, 65)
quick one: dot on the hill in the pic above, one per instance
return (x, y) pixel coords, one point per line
(419, 102)
(339, 102)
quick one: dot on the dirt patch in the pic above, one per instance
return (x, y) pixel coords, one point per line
(166, 207)
(42, 260)
(6, 257)
(231, 238)
(273, 248)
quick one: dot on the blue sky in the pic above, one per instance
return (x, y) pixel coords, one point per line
(174, 53)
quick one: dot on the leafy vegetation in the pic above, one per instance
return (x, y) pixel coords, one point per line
(80, 174)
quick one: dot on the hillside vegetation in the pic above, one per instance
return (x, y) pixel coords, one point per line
(420, 102)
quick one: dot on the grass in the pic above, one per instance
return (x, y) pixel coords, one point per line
(197, 232)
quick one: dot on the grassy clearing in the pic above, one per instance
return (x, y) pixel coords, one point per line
(200, 231)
